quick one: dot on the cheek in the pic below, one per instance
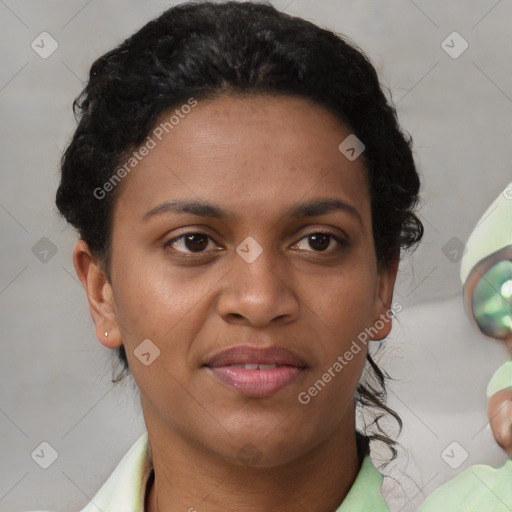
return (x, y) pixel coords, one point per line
(151, 295)
(344, 302)
(166, 305)
(345, 306)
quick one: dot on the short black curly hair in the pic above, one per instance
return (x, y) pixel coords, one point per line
(206, 49)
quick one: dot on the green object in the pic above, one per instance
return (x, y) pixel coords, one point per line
(480, 488)
(501, 379)
(491, 233)
(364, 495)
(492, 301)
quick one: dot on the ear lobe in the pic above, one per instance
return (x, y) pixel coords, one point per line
(99, 295)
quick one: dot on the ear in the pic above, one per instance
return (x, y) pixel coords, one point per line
(99, 295)
(382, 322)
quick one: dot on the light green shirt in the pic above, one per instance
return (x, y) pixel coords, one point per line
(124, 490)
(501, 379)
(480, 488)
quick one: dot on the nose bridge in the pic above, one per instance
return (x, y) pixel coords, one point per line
(258, 286)
(257, 267)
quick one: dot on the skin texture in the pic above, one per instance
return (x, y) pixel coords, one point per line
(499, 411)
(255, 157)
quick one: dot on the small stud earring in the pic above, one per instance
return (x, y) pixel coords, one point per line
(106, 334)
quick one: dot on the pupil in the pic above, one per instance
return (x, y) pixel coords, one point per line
(325, 239)
(193, 246)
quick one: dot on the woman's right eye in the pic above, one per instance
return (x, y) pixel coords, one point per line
(193, 241)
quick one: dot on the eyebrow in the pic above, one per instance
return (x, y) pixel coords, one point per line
(312, 208)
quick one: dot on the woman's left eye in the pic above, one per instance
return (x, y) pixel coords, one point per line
(195, 242)
(321, 241)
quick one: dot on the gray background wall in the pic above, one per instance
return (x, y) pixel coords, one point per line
(55, 377)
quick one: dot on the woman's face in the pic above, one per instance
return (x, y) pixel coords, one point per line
(257, 276)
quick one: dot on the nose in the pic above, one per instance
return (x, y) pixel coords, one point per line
(258, 293)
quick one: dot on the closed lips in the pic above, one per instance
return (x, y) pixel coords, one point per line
(253, 358)
(257, 366)
(256, 372)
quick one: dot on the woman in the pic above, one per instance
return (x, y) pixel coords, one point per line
(242, 192)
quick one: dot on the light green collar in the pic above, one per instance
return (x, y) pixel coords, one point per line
(365, 495)
(124, 491)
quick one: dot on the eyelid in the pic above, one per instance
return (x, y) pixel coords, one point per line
(342, 240)
(169, 242)
(336, 233)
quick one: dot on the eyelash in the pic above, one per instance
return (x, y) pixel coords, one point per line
(341, 242)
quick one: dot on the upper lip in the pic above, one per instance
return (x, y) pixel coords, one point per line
(245, 354)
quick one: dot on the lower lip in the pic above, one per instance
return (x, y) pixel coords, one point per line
(257, 383)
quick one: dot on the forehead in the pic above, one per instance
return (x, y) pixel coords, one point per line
(253, 155)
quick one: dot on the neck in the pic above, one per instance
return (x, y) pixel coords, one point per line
(189, 478)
